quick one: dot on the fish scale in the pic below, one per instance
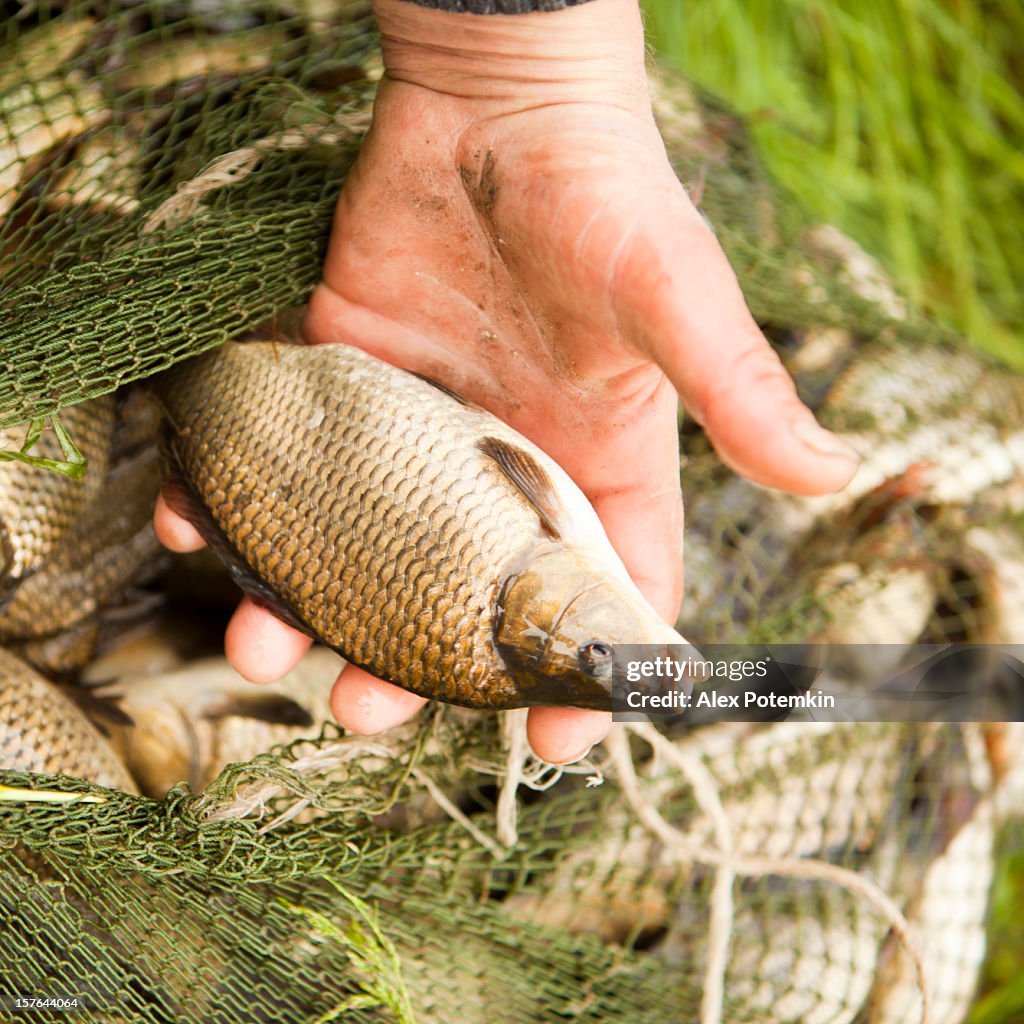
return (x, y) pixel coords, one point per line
(37, 505)
(362, 503)
(43, 731)
(110, 544)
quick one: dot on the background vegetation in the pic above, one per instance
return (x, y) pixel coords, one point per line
(900, 122)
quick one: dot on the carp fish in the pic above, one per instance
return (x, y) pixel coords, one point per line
(189, 723)
(43, 730)
(110, 546)
(38, 506)
(73, 552)
(412, 532)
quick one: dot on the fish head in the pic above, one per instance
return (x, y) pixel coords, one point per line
(559, 621)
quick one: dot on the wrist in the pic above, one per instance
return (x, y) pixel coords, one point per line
(590, 52)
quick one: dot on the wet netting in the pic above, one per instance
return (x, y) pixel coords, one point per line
(167, 177)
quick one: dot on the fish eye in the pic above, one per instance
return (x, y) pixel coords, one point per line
(594, 655)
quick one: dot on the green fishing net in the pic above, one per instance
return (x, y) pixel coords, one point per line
(106, 110)
(168, 171)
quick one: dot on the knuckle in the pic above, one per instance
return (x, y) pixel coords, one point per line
(753, 374)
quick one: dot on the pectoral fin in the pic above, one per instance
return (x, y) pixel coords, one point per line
(530, 478)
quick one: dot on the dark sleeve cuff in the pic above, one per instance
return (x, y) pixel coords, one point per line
(497, 6)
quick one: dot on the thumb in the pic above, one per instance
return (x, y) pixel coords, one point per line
(679, 298)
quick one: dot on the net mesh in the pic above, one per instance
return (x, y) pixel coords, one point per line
(106, 109)
(168, 173)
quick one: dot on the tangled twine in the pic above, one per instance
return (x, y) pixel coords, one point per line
(239, 164)
(727, 864)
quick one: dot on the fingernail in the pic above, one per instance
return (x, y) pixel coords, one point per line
(823, 441)
(576, 757)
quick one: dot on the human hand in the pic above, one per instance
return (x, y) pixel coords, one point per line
(513, 229)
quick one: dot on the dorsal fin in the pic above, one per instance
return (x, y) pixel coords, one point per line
(530, 477)
(443, 388)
